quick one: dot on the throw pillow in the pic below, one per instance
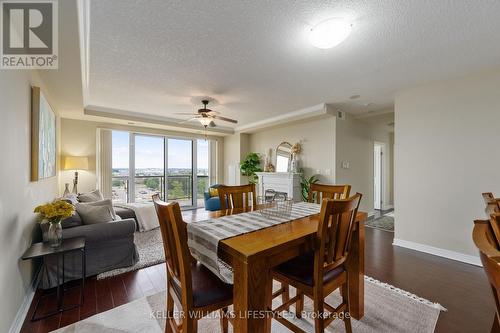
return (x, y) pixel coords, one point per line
(91, 196)
(107, 202)
(94, 214)
(213, 192)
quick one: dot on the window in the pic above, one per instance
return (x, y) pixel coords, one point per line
(144, 165)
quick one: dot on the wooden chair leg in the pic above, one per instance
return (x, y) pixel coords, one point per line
(495, 328)
(223, 320)
(285, 296)
(299, 306)
(189, 325)
(347, 315)
(319, 312)
(170, 312)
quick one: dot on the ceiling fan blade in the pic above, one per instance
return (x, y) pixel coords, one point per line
(213, 112)
(224, 119)
(188, 120)
(185, 114)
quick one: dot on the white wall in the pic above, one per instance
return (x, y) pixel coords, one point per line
(446, 154)
(317, 138)
(18, 196)
(354, 145)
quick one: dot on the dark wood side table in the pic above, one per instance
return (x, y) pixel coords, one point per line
(42, 250)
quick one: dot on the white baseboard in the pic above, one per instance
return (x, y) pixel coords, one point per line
(387, 207)
(17, 324)
(438, 252)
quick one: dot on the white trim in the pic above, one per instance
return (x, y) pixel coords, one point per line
(438, 251)
(370, 114)
(99, 111)
(21, 314)
(312, 111)
(83, 32)
(387, 207)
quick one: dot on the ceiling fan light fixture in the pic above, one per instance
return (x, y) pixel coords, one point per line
(330, 33)
(205, 121)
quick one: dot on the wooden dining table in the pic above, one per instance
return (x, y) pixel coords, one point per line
(253, 255)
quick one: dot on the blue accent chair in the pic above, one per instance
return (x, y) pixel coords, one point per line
(212, 203)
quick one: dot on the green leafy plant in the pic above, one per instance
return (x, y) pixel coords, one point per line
(305, 184)
(249, 166)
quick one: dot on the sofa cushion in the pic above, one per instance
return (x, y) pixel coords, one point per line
(92, 214)
(124, 213)
(106, 202)
(90, 196)
(73, 221)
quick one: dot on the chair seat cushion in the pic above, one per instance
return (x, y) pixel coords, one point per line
(301, 269)
(207, 287)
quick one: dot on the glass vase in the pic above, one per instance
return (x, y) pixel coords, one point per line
(54, 235)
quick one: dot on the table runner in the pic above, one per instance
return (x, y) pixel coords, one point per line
(204, 236)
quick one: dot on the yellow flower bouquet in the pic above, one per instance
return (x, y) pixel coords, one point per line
(55, 211)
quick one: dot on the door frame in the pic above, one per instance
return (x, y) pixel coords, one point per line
(383, 168)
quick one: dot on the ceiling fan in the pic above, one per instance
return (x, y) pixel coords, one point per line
(206, 116)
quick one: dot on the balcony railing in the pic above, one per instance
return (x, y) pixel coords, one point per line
(179, 188)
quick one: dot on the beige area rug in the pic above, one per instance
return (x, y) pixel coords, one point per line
(387, 309)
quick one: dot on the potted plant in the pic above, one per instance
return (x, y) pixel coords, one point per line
(249, 166)
(53, 213)
(305, 184)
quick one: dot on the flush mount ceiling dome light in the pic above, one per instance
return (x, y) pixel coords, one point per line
(330, 33)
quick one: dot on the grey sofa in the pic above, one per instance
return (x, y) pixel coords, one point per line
(109, 245)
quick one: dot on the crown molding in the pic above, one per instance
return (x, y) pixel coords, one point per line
(104, 112)
(370, 114)
(309, 112)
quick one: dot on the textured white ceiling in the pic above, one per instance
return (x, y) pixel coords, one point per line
(153, 57)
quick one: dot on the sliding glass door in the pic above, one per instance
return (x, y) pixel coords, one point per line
(149, 165)
(178, 169)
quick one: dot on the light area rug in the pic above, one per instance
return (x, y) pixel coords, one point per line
(387, 309)
(150, 248)
(385, 223)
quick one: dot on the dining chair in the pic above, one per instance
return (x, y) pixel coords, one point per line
(191, 286)
(321, 272)
(492, 204)
(318, 192)
(237, 196)
(487, 243)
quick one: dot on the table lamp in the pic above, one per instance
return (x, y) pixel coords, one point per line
(76, 163)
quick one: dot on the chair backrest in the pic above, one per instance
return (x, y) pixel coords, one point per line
(486, 242)
(318, 192)
(335, 228)
(237, 196)
(492, 204)
(174, 236)
(487, 197)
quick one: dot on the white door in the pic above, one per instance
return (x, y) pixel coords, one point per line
(377, 176)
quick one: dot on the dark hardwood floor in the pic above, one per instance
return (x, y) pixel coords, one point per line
(461, 288)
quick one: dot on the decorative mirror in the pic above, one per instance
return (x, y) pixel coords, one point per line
(283, 157)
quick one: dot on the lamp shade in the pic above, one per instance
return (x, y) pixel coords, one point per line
(76, 163)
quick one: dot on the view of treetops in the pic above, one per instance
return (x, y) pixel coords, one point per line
(144, 173)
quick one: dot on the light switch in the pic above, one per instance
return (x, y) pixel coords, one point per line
(345, 164)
